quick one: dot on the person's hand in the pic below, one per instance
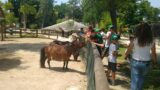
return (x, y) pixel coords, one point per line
(92, 41)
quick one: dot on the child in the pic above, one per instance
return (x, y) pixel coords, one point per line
(112, 58)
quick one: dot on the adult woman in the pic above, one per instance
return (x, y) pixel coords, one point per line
(141, 47)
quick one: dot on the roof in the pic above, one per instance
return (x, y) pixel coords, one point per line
(69, 25)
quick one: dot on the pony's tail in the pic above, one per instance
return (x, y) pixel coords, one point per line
(42, 57)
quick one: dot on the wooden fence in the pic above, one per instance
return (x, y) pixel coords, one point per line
(96, 76)
(36, 33)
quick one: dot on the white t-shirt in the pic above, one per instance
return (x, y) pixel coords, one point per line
(141, 53)
(111, 57)
(108, 39)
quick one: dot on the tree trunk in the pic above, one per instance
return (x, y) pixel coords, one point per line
(25, 20)
(112, 11)
(2, 32)
(42, 25)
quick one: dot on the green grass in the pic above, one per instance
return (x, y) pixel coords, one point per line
(121, 52)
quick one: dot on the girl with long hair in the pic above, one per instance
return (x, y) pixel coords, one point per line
(143, 51)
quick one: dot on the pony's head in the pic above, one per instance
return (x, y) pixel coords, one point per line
(78, 44)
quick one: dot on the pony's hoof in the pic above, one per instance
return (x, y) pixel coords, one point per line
(42, 67)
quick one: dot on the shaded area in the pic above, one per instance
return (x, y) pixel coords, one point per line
(8, 49)
(124, 69)
(12, 47)
(7, 64)
(123, 83)
(152, 80)
(60, 69)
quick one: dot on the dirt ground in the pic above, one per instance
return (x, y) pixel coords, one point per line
(19, 68)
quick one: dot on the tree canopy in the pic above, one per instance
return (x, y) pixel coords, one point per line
(41, 13)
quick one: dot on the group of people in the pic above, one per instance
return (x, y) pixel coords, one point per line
(107, 45)
(141, 51)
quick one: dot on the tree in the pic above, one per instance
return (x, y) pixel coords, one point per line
(71, 9)
(146, 11)
(26, 10)
(45, 13)
(112, 10)
(74, 10)
(2, 16)
(93, 10)
(9, 16)
(127, 11)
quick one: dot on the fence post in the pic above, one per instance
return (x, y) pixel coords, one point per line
(36, 33)
(57, 34)
(48, 33)
(90, 68)
(20, 33)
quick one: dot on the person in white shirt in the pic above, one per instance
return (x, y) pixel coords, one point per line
(143, 52)
(112, 58)
(108, 40)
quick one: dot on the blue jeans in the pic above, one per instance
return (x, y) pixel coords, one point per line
(138, 71)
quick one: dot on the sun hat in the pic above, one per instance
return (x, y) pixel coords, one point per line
(114, 37)
(96, 29)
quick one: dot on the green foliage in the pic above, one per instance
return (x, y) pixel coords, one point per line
(105, 21)
(8, 6)
(33, 26)
(152, 79)
(148, 12)
(10, 18)
(127, 11)
(27, 9)
(71, 9)
(133, 11)
(45, 13)
(1, 3)
(60, 20)
(93, 10)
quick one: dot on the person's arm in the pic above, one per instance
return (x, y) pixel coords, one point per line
(101, 45)
(129, 49)
(154, 55)
(108, 35)
(115, 53)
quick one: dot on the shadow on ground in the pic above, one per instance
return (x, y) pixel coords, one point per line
(123, 83)
(7, 64)
(60, 69)
(152, 80)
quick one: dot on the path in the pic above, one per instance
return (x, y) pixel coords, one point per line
(19, 68)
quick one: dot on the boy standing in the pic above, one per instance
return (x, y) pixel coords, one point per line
(112, 58)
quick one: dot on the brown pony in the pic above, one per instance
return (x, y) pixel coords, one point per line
(75, 54)
(60, 52)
